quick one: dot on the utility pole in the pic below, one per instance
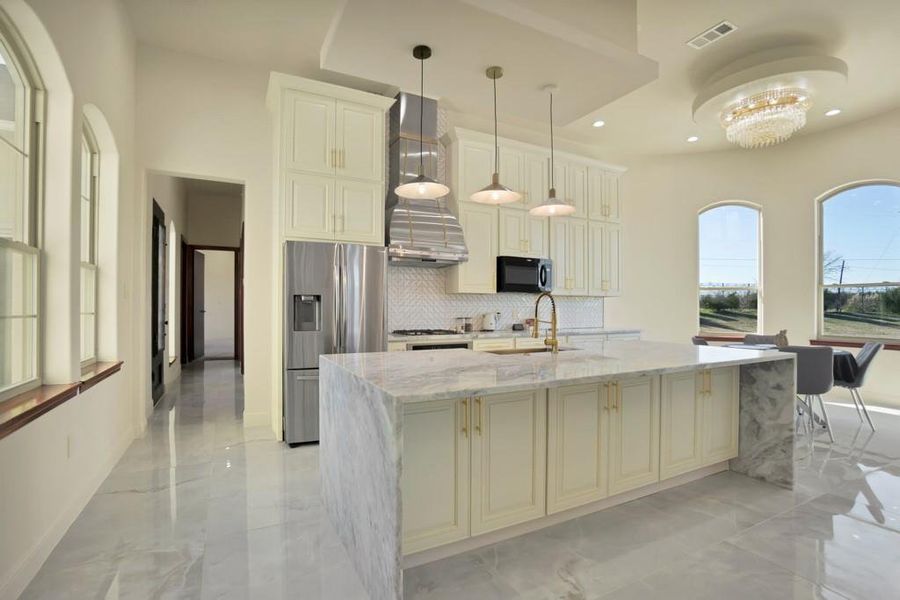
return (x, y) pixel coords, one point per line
(840, 282)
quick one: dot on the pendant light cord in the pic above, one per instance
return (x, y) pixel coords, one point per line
(421, 115)
(496, 143)
(552, 167)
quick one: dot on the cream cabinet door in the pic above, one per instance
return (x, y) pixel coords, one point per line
(512, 172)
(309, 143)
(513, 240)
(577, 188)
(559, 243)
(596, 189)
(611, 281)
(308, 206)
(613, 198)
(487, 344)
(537, 237)
(535, 179)
(531, 343)
(476, 165)
(681, 424)
(435, 479)
(479, 274)
(596, 254)
(577, 443)
(508, 459)
(721, 414)
(633, 434)
(359, 212)
(577, 257)
(360, 141)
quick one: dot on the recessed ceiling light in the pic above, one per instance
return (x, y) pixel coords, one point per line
(598, 123)
(693, 139)
(833, 112)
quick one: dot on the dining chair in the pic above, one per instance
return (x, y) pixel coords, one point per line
(863, 361)
(699, 341)
(815, 376)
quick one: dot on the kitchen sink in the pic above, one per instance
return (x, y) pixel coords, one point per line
(544, 350)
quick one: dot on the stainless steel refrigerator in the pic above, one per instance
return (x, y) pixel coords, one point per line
(334, 304)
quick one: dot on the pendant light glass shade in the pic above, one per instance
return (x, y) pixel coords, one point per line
(496, 192)
(551, 206)
(422, 187)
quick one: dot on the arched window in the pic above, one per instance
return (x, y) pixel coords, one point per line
(729, 251)
(172, 284)
(90, 170)
(19, 253)
(859, 262)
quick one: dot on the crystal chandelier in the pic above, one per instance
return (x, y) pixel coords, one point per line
(767, 118)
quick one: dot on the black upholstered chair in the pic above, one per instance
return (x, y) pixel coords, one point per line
(699, 341)
(854, 379)
(815, 376)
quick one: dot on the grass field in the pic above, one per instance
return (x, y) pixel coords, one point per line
(836, 323)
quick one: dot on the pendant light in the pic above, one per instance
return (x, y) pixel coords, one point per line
(496, 192)
(422, 187)
(551, 206)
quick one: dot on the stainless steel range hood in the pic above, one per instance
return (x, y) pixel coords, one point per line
(421, 233)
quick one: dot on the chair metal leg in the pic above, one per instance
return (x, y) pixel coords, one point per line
(863, 404)
(812, 415)
(855, 404)
(825, 417)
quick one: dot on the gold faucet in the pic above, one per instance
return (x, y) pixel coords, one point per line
(551, 341)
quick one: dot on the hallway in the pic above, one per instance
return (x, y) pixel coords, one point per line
(200, 507)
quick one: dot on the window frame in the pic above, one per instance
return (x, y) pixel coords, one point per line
(821, 286)
(34, 107)
(90, 141)
(760, 295)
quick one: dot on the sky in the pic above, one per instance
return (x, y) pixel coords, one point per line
(861, 228)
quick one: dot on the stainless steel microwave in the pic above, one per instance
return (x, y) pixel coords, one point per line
(519, 274)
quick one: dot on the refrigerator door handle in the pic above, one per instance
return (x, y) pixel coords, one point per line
(342, 326)
(336, 314)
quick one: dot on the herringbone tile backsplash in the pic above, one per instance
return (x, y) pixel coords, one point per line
(417, 300)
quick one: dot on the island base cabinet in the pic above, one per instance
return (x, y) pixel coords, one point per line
(577, 442)
(633, 433)
(509, 433)
(721, 415)
(681, 423)
(435, 477)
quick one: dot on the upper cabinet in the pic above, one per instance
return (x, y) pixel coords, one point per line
(603, 198)
(478, 275)
(331, 145)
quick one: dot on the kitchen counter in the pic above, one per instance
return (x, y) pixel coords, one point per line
(364, 399)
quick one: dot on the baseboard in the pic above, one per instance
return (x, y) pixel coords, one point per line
(257, 419)
(447, 550)
(28, 567)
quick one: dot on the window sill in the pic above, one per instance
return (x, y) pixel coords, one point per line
(22, 409)
(723, 338)
(853, 343)
(97, 372)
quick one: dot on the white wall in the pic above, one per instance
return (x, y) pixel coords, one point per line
(218, 291)
(51, 467)
(198, 117)
(664, 194)
(214, 220)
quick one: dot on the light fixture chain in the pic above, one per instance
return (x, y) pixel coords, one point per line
(421, 115)
(496, 142)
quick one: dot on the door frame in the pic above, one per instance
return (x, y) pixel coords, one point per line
(187, 294)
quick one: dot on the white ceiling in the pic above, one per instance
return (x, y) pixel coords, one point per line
(288, 35)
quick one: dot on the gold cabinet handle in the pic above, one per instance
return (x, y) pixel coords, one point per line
(708, 381)
(616, 399)
(465, 408)
(478, 409)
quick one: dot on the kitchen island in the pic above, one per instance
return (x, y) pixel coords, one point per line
(425, 454)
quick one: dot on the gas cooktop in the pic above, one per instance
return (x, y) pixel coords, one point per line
(412, 332)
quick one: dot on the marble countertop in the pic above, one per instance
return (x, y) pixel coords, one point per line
(509, 333)
(439, 374)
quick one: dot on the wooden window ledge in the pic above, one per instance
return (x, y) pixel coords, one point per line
(839, 343)
(22, 409)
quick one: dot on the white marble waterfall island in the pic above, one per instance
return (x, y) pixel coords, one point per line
(425, 454)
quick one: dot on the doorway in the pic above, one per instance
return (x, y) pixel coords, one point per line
(212, 280)
(158, 305)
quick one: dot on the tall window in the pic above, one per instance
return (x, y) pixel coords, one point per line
(729, 248)
(859, 263)
(19, 254)
(89, 178)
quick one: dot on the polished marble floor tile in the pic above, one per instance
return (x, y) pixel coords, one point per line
(202, 507)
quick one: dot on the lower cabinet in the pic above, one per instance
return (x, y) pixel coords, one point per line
(508, 459)
(699, 419)
(633, 433)
(435, 479)
(577, 443)
(487, 344)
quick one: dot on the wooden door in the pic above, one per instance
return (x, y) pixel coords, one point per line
(721, 414)
(359, 212)
(309, 143)
(577, 443)
(681, 424)
(435, 479)
(359, 130)
(199, 318)
(508, 459)
(158, 323)
(633, 434)
(309, 207)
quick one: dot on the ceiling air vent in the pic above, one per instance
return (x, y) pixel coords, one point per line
(713, 34)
